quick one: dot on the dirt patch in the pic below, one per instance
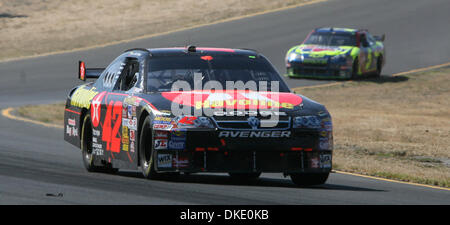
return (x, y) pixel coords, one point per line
(32, 27)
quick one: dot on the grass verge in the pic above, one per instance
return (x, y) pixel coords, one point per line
(390, 127)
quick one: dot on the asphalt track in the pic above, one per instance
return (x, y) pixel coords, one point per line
(38, 167)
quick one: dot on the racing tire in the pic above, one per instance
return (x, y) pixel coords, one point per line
(307, 179)
(146, 156)
(86, 145)
(379, 66)
(355, 69)
(245, 176)
(86, 150)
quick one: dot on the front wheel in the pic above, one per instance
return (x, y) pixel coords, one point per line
(379, 66)
(355, 69)
(146, 156)
(306, 179)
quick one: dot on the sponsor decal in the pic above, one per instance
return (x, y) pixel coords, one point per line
(132, 147)
(125, 137)
(165, 160)
(71, 122)
(125, 147)
(187, 120)
(96, 107)
(161, 134)
(129, 112)
(160, 144)
(130, 123)
(162, 120)
(324, 143)
(132, 101)
(176, 145)
(133, 111)
(82, 97)
(243, 99)
(325, 161)
(124, 111)
(132, 135)
(72, 131)
(180, 162)
(316, 61)
(327, 126)
(314, 162)
(95, 132)
(254, 134)
(178, 135)
(97, 149)
(162, 126)
(249, 113)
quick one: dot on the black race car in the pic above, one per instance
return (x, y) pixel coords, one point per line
(192, 109)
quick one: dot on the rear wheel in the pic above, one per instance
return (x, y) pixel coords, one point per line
(307, 179)
(86, 150)
(245, 176)
(86, 145)
(146, 159)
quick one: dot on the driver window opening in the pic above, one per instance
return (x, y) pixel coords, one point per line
(129, 74)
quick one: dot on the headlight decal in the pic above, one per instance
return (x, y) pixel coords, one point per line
(312, 122)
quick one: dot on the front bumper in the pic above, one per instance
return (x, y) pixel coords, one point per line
(205, 152)
(318, 71)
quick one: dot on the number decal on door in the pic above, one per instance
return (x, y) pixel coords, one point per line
(111, 132)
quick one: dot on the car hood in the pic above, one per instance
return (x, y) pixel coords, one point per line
(321, 51)
(203, 100)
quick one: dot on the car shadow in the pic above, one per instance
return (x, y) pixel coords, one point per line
(384, 78)
(218, 179)
(8, 15)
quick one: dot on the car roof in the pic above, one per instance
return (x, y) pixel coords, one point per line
(336, 30)
(174, 51)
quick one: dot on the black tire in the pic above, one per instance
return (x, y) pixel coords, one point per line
(245, 176)
(379, 66)
(86, 150)
(307, 179)
(146, 156)
(355, 69)
(86, 145)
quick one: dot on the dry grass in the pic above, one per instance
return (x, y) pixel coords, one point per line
(30, 27)
(54, 113)
(392, 127)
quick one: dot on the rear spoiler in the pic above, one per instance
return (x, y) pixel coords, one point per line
(85, 73)
(380, 38)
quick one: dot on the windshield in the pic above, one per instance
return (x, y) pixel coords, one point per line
(243, 69)
(331, 39)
